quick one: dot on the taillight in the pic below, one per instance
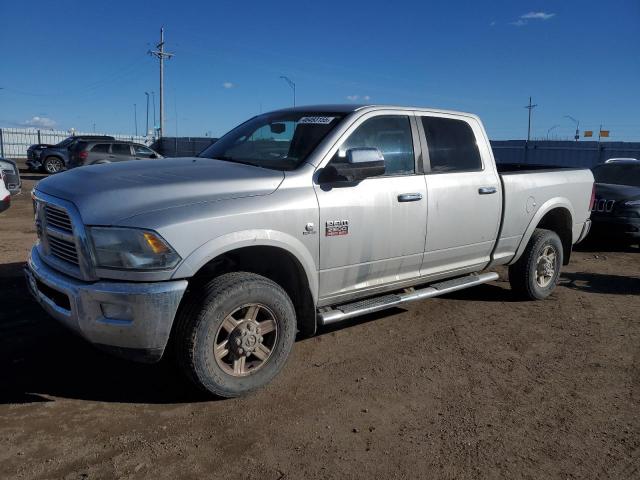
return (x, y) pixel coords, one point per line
(592, 203)
(83, 155)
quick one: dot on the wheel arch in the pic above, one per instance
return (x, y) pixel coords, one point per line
(274, 255)
(555, 215)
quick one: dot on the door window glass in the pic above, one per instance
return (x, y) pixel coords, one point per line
(389, 134)
(452, 145)
(101, 148)
(121, 149)
(141, 151)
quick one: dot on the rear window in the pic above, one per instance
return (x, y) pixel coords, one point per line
(100, 148)
(452, 145)
(618, 174)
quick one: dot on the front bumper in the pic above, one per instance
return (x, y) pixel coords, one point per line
(131, 320)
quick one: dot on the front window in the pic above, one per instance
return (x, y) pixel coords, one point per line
(618, 174)
(278, 140)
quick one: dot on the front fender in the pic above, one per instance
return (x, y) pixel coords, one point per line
(251, 238)
(546, 207)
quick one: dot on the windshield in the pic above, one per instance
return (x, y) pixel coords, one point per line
(618, 174)
(278, 140)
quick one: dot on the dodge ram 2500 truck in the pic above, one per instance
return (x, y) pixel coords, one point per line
(296, 218)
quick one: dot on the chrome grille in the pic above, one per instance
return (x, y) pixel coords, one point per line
(603, 205)
(55, 226)
(63, 249)
(58, 218)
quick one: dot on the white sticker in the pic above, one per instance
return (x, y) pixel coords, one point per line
(315, 120)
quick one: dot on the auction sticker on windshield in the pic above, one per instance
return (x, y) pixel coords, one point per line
(316, 120)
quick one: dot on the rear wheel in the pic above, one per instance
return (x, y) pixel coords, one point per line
(53, 165)
(535, 275)
(234, 334)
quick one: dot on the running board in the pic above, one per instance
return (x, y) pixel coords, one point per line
(375, 304)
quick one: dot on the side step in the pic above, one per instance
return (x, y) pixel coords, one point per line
(375, 304)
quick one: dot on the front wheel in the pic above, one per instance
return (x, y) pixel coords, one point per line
(535, 275)
(53, 165)
(235, 333)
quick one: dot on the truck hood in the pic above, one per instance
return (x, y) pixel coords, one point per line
(107, 194)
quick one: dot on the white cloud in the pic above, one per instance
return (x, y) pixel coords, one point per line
(353, 98)
(228, 85)
(39, 122)
(518, 23)
(537, 16)
(492, 24)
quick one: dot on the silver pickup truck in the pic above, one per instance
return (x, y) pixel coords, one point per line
(296, 218)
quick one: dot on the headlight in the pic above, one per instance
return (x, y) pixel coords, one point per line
(131, 249)
(632, 203)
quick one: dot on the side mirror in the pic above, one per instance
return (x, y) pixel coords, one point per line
(361, 163)
(153, 155)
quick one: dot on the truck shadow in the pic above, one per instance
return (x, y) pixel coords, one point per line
(601, 283)
(39, 358)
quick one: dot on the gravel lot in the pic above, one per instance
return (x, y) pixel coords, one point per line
(472, 385)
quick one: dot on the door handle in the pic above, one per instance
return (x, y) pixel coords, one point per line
(487, 190)
(409, 197)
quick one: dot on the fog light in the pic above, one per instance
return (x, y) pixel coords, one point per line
(116, 311)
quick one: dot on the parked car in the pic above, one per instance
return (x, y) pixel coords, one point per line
(616, 209)
(100, 151)
(11, 175)
(5, 194)
(622, 160)
(296, 218)
(54, 158)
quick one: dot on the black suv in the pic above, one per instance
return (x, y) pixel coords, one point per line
(101, 151)
(54, 158)
(616, 208)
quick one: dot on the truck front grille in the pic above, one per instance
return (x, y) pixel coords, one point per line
(58, 218)
(63, 249)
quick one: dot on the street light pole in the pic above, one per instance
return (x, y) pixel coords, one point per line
(135, 117)
(161, 55)
(153, 98)
(577, 122)
(292, 84)
(146, 130)
(550, 130)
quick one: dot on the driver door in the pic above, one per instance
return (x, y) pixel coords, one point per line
(372, 233)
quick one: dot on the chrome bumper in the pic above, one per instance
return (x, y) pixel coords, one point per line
(132, 320)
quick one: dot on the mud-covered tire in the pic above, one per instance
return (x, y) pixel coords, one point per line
(201, 318)
(524, 274)
(53, 165)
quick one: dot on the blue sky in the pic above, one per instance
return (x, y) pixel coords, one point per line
(72, 64)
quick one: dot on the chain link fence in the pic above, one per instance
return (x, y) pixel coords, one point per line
(15, 141)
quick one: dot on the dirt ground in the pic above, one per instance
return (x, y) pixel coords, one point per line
(471, 385)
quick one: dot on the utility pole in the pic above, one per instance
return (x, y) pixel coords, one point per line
(146, 130)
(160, 54)
(529, 107)
(135, 117)
(292, 85)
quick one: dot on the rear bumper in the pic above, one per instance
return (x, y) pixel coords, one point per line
(616, 227)
(131, 320)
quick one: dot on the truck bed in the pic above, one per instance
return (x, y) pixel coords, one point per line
(527, 189)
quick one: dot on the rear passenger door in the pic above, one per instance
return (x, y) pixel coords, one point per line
(121, 152)
(100, 152)
(143, 153)
(464, 194)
